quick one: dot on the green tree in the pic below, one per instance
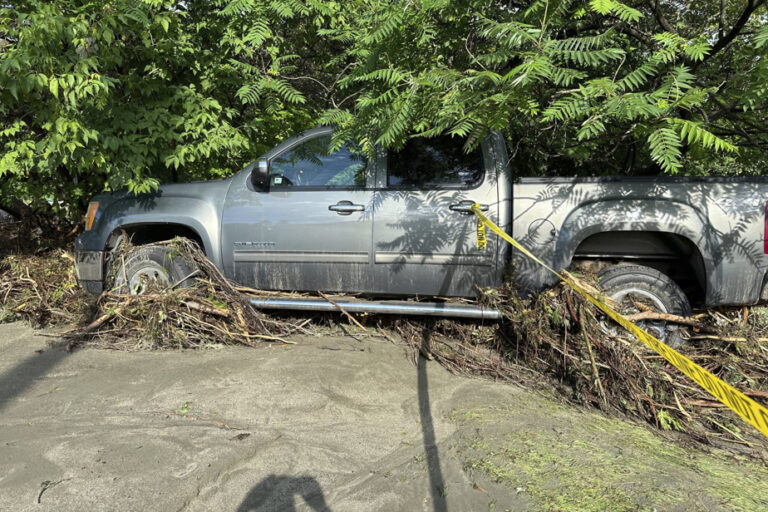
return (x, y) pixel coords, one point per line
(578, 87)
(104, 94)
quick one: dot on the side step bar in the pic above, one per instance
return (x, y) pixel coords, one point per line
(382, 307)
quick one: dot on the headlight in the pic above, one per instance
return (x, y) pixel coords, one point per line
(90, 216)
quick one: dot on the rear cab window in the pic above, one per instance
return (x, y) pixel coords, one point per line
(434, 163)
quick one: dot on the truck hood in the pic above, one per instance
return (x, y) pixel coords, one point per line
(197, 205)
(205, 190)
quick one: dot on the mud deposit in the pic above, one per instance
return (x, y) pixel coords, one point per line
(330, 423)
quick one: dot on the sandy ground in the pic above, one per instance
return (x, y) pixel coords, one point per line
(331, 423)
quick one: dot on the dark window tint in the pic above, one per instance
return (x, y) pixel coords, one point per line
(312, 164)
(436, 162)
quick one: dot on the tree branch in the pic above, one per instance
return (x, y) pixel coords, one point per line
(633, 32)
(752, 6)
(721, 20)
(665, 24)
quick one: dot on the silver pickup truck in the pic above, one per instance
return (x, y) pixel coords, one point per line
(304, 217)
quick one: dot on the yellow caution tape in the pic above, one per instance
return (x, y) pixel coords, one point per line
(482, 240)
(752, 412)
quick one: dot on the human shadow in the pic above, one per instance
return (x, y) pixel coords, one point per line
(436, 480)
(24, 374)
(276, 493)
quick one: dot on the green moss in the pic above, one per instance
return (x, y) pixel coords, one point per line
(6, 315)
(597, 464)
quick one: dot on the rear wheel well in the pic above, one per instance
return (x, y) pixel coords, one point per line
(674, 255)
(144, 234)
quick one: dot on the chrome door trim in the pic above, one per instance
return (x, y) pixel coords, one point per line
(300, 257)
(385, 257)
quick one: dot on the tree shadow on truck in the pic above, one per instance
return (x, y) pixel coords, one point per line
(706, 234)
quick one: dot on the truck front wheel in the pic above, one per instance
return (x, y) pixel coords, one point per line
(638, 288)
(151, 266)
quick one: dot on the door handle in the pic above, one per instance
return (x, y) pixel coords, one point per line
(346, 207)
(465, 207)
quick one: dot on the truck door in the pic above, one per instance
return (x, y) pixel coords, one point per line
(312, 229)
(424, 237)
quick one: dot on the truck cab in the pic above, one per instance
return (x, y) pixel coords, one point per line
(306, 217)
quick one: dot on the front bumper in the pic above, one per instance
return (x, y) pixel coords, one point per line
(89, 267)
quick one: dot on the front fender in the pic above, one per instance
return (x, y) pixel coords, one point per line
(194, 213)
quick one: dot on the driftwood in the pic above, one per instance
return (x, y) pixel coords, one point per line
(351, 318)
(211, 310)
(595, 372)
(666, 317)
(727, 339)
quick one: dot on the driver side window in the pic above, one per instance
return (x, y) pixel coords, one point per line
(312, 165)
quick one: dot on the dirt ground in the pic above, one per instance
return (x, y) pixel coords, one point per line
(330, 423)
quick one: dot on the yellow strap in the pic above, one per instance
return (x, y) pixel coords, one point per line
(482, 240)
(752, 412)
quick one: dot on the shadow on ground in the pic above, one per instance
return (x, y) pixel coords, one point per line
(279, 492)
(18, 379)
(437, 487)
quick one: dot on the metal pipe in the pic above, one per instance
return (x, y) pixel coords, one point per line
(382, 307)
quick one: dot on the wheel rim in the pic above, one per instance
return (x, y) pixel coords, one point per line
(628, 298)
(145, 276)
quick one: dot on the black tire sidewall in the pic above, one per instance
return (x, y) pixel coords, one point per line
(650, 280)
(654, 283)
(176, 266)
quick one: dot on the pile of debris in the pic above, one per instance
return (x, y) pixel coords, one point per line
(559, 335)
(41, 289)
(210, 311)
(554, 341)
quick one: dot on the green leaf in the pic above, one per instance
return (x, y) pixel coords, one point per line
(665, 149)
(257, 33)
(602, 6)
(761, 36)
(697, 50)
(591, 128)
(626, 13)
(694, 133)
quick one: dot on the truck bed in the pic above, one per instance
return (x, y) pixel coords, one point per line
(715, 226)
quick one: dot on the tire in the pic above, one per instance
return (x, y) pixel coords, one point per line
(630, 284)
(160, 264)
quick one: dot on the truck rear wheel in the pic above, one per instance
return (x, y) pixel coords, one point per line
(638, 288)
(151, 266)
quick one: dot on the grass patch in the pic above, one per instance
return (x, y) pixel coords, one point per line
(599, 464)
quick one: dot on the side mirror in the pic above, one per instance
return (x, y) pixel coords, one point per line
(260, 174)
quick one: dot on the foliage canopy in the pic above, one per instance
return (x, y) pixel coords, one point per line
(108, 94)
